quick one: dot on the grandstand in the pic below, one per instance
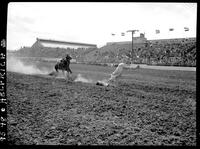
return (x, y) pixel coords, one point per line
(170, 52)
(54, 49)
(40, 43)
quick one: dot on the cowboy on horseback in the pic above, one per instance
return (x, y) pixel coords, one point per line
(64, 65)
(65, 59)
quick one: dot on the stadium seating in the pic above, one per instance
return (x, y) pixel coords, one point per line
(170, 52)
(174, 52)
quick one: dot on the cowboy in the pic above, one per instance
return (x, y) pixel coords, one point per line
(67, 62)
(66, 58)
(119, 70)
(117, 73)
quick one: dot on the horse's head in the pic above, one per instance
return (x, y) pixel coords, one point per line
(68, 57)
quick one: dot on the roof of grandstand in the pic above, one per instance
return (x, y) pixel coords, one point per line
(52, 43)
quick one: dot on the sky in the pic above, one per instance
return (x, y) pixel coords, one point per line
(94, 23)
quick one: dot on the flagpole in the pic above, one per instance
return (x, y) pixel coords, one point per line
(133, 32)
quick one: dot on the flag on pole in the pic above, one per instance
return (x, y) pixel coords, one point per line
(186, 29)
(157, 31)
(171, 29)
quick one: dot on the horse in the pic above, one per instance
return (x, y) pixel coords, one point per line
(64, 65)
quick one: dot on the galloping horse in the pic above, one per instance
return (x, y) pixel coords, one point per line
(64, 65)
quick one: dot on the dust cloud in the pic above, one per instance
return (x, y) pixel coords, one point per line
(16, 65)
(80, 78)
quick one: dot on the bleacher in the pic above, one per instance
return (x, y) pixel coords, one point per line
(175, 52)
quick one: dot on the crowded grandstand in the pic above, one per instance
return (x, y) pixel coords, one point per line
(166, 52)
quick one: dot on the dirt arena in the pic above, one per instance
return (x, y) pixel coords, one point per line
(147, 107)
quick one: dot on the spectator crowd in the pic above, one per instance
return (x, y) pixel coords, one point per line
(179, 53)
(157, 52)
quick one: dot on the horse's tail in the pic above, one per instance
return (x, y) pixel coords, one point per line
(56, 67)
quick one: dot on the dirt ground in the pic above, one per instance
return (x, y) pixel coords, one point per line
(148, 107)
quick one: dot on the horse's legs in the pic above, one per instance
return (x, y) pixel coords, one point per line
(68, 74)
(63, 72)
(70, 70)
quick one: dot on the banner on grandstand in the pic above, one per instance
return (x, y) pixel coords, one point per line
(157, 31)
(171, 29)
(186, 29)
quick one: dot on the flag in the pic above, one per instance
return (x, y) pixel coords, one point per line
(123, 34)
(113, 34)
(186, 29)
(171, 29)
(157, 31)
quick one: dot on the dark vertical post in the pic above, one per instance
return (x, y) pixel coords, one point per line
(132, 46)
(132, 31)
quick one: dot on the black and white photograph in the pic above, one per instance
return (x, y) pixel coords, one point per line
(101, 73)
